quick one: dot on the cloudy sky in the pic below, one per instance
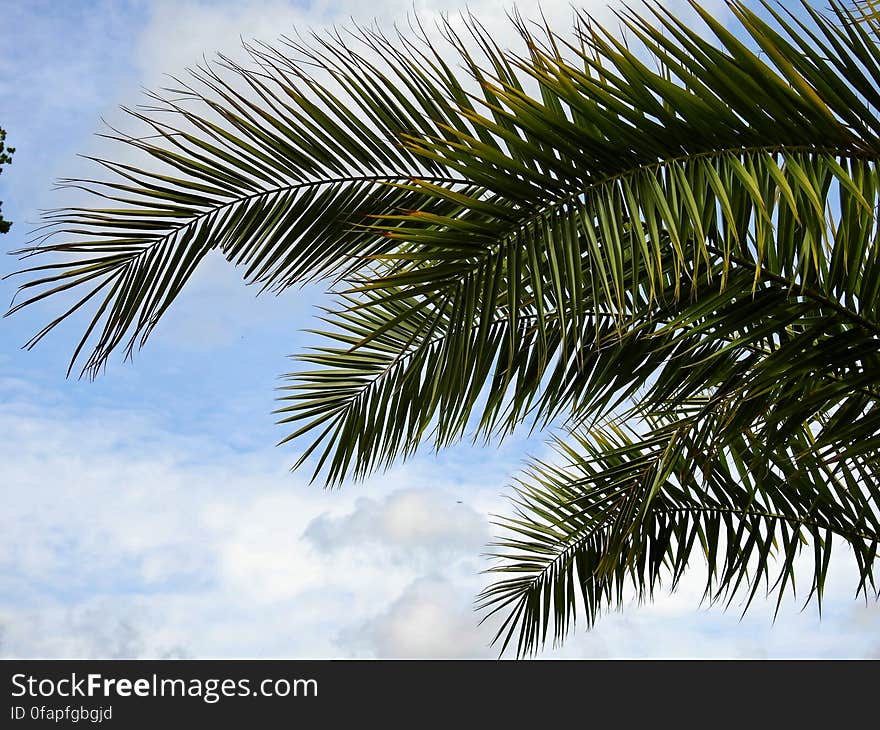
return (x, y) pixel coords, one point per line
(149, 514)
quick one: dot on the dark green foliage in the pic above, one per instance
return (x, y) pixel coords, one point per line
(676, 259)
(5, 159)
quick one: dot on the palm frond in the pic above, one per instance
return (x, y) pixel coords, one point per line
(627, 511)
(667, 243)
(278, 170)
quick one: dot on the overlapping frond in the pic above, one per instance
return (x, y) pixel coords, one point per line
(676, 231)
(628, 510)
(618, 181)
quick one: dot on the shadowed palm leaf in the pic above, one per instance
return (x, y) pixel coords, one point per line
(666, 247)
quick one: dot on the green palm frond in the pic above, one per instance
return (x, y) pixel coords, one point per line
(629, 510)
(277, 170)
(666, 244)
(602, 226)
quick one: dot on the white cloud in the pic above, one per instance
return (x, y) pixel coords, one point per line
(181, 33)
(106, 513)
(429, 620)
(409, 519)
(121, 537)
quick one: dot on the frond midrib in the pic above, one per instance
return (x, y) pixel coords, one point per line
(206, 213)
(533, 215)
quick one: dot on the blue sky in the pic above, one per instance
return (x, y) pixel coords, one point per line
(148, 513)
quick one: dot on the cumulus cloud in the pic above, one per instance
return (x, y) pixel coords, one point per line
(430, 619)
(122, 537)
(409, 519)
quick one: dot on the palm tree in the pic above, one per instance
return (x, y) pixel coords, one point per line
(664, 249)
